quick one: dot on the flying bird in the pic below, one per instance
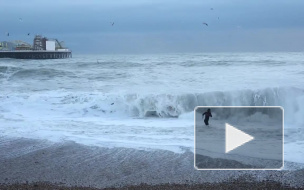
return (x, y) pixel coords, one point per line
(211, 9)
(205, 23)
(112, 23)
(7, 34)
(20, 19)
(28, 34)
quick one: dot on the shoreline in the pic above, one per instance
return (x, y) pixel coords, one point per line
(30, 162)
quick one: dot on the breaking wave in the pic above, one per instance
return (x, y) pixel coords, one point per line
(167, 105)
(164, 105)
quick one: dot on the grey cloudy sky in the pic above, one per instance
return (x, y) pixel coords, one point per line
(156, 26)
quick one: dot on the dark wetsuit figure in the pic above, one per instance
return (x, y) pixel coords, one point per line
(207, 115)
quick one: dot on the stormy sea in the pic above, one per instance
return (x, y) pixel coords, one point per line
(119, 120)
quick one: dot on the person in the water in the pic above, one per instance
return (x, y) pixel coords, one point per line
(207, 114)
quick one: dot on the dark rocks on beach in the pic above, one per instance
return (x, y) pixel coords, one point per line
(236, 184)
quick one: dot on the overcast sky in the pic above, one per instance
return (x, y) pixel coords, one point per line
(158, 26)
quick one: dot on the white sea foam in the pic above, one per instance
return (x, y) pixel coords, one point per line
(147, 101)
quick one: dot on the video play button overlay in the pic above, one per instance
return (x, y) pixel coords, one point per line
(235, 138)
(238, 138)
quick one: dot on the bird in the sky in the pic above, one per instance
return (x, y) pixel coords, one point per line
(20, 19)
(211, 9)
(7, 33)
(112, 23)
(28, 34)
(205, 23)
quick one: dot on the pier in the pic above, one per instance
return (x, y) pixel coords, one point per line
(36, 54)
(42, 48)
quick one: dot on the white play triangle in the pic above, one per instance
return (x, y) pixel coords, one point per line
(235, 138)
